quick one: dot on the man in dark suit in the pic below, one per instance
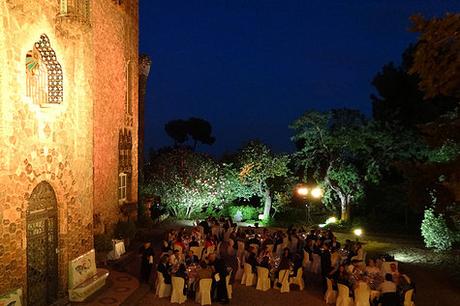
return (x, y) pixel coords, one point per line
(164, 268)
(219, 286)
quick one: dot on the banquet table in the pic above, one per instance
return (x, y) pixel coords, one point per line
(118, 249)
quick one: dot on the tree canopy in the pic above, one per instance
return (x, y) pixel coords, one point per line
(256, 164)
(197, 129)
(437, 56)
(342, 151)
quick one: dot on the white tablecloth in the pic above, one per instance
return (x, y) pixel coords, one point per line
(118, 249)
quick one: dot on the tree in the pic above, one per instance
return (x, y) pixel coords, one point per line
(437, 57)
(177, 130)
(343, 151)
(400, 101)
(257, 164)
(186, 181)
(199, 130)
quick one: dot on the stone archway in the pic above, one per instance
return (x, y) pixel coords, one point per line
(42, 246)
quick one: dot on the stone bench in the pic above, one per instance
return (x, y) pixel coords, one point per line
(12, 298)
(84, 278)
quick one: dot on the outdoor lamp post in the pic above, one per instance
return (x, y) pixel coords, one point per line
(315, 193)
(358, 232)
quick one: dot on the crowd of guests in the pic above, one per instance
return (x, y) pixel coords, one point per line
(223, 248)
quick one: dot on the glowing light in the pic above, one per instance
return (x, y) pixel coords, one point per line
(322, 225)
(331, 220)
(261, 216)
(317, 192)
(358, 232)
(303, 191)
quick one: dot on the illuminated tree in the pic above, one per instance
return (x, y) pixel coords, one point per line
(343, 151)
(257, 164)
(437, 57)
(187, 181)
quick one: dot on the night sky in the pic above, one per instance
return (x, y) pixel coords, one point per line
(251, 67)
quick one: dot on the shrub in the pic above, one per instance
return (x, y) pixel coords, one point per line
(247, 212)
(436, 234)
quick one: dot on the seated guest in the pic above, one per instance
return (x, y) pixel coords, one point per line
(182, 272)
(252, 260)
(335, 245)
(164, 267)
(209, 242)
(175, 258)
(371, 268)
(342, 276)
(265, 263)
(285, 262)
(254, 240)
(388, 292)
(190, 258)
(394, 271)
(358, 252)
(179, 243)
(204, 271)
(193, 243)
(388, 286)
(297, 263)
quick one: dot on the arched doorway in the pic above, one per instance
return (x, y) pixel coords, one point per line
(42, 244)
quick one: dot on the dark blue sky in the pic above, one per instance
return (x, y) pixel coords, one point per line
(251, 67)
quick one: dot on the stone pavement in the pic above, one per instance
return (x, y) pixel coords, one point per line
(118, 288)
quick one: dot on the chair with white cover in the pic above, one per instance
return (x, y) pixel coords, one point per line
(331, 295)
(239, 271)
(197, 251)
(270, 248)
(203, 295)
(162, 289)
(229, 286)
(343, 298)
(298, 279)
(249, 278)
(316, 264)
(177, 295)
(362, 294)
(408, 298)
(263, 279)
(293, 244)
(283, 279)
(240, 250)
(306, 260)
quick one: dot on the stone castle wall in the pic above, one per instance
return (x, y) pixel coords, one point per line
(43, 144)
(115, 43)
(74, 145)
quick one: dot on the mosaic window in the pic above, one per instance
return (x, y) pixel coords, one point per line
(44, 78)
(78, 9)
(125, 146)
